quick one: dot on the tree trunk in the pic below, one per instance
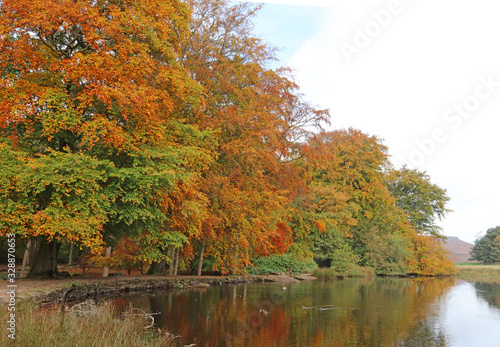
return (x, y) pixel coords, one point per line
(33, 246)
(157, 268)
(45, 263)
(105, 270)
(235, 270)
(200, 263)
(26, 259)
(171, 265)
(176, 262)
(84, 266)
(71, 254)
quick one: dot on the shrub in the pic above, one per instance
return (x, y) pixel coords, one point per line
(356, 271)
(281, 263)
(345, 261)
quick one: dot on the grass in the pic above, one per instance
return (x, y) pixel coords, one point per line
(478, 272)
(82, 325)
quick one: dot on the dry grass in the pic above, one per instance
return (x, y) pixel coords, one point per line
(479, 272)
(84, 325)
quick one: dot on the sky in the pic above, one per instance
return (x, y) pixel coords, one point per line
(422, 75)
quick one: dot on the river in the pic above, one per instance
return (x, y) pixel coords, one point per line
(350, 312)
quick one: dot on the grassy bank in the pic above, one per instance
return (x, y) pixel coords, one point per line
(82, 325)
(484, 273)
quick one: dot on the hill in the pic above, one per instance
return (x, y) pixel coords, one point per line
(459, 250)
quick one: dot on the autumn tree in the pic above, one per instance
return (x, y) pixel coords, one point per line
(423, 203)
(359, 209)
(258, 115)
(91, 93)
(351, 209)
(428, 257)
(161, 122)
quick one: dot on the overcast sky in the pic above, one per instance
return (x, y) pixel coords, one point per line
(422, 75)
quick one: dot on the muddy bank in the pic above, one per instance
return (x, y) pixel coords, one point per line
(79, 291)
(73, 292)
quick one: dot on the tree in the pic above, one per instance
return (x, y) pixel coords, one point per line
(88, 74)
(357, 204)
(349, 200)
(59, 195)
(422, 201)
(93, 99)
(258, 115)
(487, 248)
(428, 257)
(385, 250)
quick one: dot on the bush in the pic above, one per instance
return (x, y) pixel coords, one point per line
(281, 263)
(356, 271)
(345, 261)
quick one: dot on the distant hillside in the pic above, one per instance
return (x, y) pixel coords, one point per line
(459, 250)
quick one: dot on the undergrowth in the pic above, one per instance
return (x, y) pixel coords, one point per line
(83, 325)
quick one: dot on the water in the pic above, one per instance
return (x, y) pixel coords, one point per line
(353, 312)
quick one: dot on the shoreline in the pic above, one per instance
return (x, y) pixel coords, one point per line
(48, 292)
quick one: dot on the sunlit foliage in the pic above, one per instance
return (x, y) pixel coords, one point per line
(159, 128)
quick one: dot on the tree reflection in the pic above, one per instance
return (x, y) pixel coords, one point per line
(490, 292)
(360, 312)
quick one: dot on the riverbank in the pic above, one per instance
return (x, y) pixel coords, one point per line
(50, 291)
(478, 272)
(58, 310)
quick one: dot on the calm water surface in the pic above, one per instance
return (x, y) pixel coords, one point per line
(353, 312)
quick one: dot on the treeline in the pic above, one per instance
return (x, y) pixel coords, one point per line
(159, 129)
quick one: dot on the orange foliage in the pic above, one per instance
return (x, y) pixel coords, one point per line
(90, 68)
(126, 254)
(246, 175)
(428, 257)
(259, 117)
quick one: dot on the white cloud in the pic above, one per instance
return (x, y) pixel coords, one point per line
(429, 58)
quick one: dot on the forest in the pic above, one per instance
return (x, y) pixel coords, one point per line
(159, 134)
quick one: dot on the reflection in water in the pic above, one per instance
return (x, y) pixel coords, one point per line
(353, 312)
(468, 318)
(489, 292)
